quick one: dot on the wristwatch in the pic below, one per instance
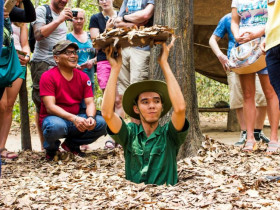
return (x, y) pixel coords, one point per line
(91, 117)
(125, 20)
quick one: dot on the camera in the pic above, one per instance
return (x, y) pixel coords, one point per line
(74, 13)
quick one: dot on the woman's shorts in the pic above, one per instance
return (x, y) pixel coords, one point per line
(236, 94)
(23, 75)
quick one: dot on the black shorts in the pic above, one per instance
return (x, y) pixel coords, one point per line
(273, 66)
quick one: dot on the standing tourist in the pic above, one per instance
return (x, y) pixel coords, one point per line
(248, 22)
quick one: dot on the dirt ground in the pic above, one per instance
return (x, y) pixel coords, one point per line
(213, 125)
(220, 176)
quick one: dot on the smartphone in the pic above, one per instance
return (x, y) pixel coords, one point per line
(9, 5)
(74, 13)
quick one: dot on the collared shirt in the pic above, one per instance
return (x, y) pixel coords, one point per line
(152, 159)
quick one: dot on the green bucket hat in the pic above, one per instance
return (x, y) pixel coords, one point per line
(135, 89)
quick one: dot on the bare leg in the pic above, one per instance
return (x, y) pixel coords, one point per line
(39, 129)
(272, 106)
(240, 118)
(248, 87)
(260, 117)
(6, 110)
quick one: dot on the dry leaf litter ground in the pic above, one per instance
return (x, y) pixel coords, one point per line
(219, 177)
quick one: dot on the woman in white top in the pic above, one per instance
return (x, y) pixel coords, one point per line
(248, 22)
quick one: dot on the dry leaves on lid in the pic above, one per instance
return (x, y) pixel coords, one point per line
(134, 36)
(219, 177)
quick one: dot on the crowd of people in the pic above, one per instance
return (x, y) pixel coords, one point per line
(251, 95)
(63, 66)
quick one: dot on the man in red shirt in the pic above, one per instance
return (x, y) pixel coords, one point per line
(62, 90)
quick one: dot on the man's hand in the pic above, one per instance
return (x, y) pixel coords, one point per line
(91, 123)
(241, 39)
(81, 123)
(110, 23)
(6, 14)
(162, 58)
(247, 36)
(23, 60)
(66, 14)
(115, 62)
(86, 65)
(224, 61)
(117, 20)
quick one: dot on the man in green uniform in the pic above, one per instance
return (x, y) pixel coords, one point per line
(150, 150)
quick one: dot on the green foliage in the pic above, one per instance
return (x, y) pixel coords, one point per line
(210, 91)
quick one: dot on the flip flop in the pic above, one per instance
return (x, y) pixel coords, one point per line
(273, 148)
(7, 154)
(250, 146)
(109, 144)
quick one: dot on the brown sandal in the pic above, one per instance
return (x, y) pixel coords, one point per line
(7, 154)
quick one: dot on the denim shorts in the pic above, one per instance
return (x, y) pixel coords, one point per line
(263, 71)
(273, 66)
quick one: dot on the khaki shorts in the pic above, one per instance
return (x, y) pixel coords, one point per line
(37, 69)
(235, 91)
(135, 67)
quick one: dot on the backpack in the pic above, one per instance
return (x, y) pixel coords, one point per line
(31, 37)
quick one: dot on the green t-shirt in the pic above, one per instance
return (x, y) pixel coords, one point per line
(151, 160)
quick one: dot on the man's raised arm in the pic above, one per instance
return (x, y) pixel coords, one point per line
(107, 108)
(141, 16)
(174, 90)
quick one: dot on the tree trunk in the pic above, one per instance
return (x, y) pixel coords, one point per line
(78, 3)
(69, 25)
(178, 14)
(232, 122)
(24, 116)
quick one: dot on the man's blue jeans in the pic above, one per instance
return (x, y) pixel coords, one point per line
(55, 128)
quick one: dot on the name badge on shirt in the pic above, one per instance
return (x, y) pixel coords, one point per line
(270, 1)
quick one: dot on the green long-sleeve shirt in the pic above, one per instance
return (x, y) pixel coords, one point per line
(151, 160)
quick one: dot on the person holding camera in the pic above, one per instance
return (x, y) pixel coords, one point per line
(86, 52)
(248, 23)
(47, 35)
